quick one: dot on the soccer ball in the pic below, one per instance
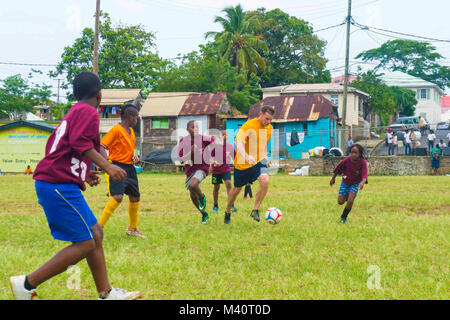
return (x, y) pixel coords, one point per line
(273, 215)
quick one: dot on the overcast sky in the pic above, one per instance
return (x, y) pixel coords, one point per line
(36, 32)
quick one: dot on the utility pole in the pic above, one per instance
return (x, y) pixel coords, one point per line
(347, 50)
(96, 37)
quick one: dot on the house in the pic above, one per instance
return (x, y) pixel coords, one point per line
(22, 143)
(428, 94)
(312, 117)
(112, 100)
(333, 92)
(445, 111)
(340, 79)
(165, 116)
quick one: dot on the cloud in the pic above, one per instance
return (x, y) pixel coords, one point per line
(374, 16)
(130, 5)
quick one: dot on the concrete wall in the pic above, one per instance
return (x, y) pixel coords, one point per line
(383, 165)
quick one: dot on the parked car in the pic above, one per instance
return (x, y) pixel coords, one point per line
(442, 129)
(407, 123)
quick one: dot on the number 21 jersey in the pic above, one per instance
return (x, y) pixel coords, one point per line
(64, 161)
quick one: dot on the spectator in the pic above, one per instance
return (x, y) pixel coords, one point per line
(390, 142)
(441, 144)
(408, 142)
(413, 143)
(422, 125)
(349, 144)
(448, 138)
(431, 139)
(394, 142)
(435, 161)
(28, 170)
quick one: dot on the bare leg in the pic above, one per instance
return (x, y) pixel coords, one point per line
(232, 195)
(262, 190)
(96, 262)
(195, 192)
(216, 193)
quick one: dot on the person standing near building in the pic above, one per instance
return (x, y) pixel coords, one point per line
(431, 140)
(407, 142)
(390, 142)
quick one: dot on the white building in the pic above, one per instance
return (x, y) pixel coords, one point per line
(428, 94)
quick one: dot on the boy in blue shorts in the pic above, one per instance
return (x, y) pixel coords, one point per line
(60, 176)
(354, 175)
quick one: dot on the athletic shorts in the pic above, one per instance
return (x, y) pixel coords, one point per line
(68, 214)
(435, 163)
(344, 189)
(199, 174)
(219, 178)
(129, 185)
(250, 175)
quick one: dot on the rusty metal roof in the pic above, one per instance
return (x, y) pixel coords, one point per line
(295, 108)
(205, 103)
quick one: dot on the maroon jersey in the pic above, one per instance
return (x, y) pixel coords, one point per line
(199, 160)
(64, 161)
(223, 154)
(352, 172)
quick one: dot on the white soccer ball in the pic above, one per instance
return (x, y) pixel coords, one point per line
(273, 215)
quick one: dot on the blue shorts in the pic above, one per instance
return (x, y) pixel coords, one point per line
(68, 214)
(344, 189)
(242, 177)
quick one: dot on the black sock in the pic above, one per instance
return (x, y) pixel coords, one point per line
(345, 213)
(27, 285)
(216, 205)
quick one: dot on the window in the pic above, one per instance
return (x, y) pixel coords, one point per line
(160, 123)
(335, 99)
(423, 94)
(305, 129)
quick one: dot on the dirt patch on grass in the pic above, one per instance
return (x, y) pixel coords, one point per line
(414, 209)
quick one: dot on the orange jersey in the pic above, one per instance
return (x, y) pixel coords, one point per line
(256, 140)
(120, 144)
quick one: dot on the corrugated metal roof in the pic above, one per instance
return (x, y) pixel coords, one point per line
(164, 104)
(41, 125)
(295, 108)
(312, 88)
(116, 97)
(205, 103)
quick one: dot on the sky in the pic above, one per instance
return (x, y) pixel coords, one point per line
(36, 32)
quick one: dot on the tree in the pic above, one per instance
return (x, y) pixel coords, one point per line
(295, 54)
(405, 100)
(204, 71)
(18, 95)
(381, 101)
(125, 57)
(415, 58)
(236, 44)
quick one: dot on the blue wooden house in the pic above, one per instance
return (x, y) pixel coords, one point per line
(312, 118)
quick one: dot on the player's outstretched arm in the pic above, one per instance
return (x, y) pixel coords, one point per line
(116, 173)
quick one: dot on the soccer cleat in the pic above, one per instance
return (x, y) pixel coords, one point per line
(343, 219)
(121, 294)
(205, 217)
(135, 233)
(227, 219)
(233, 208)
(202, 203)
(255, 215)
(18, 289)
(245, 198)
(215, 209)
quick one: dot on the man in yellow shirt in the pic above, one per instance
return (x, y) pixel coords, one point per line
(120, 142)
(250, 161)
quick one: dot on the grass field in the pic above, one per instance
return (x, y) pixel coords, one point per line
(394, 246)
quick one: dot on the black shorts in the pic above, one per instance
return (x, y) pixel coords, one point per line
(242, 177)
(219, 178)
(129, 185)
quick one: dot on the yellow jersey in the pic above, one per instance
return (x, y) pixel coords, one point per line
(256, 139)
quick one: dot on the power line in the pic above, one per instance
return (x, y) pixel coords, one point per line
(28, 64)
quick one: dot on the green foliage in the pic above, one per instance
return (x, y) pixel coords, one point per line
(125, 58)
(294, 55)
(236, 44)
(21, 95)
(415, 58)
(405, 100)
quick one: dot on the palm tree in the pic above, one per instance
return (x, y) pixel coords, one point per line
(236, 44)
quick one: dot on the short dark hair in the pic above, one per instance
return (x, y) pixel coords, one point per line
(86, 85)
(268, 109)
(128, 109)
(189, 123)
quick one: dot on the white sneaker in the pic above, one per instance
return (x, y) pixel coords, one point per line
(17, 284)
(135, 233)
(122, 294)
